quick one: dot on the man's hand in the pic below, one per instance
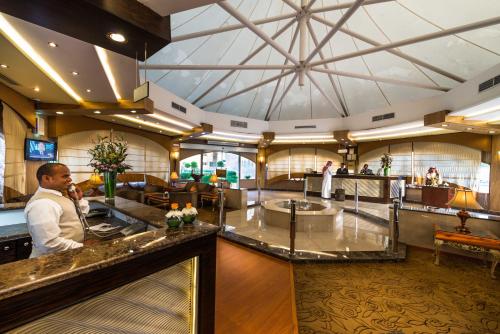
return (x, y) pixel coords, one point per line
(77, 194)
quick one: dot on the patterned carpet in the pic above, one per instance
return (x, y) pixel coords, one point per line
(409, 297)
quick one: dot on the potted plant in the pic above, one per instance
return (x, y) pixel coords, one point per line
(189, 214)
(174, 216)
(107, 157)
(385, 163)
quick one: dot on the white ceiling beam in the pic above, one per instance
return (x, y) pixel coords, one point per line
(244, 61)
(326, 96)
(336, 28)
(214, 67)
(284, 94)
(237, 15)
(322, 56)
(413, 40)
(393, 51)
(290, 48)
(380, 79)
(307, 8)
(292, 5)
(262, 83)
(346, 5)
(231, 27)
(302, 42)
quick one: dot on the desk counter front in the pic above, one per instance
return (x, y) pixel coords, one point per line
(371, 188)
(161, 274)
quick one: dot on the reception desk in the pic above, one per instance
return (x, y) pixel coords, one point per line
(371, 188)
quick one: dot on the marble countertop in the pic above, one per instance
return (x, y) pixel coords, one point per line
(16, 231)
(27, 275)
(449, 212)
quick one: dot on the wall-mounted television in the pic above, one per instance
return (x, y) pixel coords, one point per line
(40, 150)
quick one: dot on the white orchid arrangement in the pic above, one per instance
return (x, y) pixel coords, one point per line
(189, 211)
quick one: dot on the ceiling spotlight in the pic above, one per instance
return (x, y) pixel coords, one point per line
(444, 125)
(97, 112)
(4, 66)
(60, 112)
(133, 111)
(117, 37)
(52, 45)
(75, 73)
(36, 89)
(89, 90)
(161, 131)
(140, 126)
(468, 129)
(491, 131)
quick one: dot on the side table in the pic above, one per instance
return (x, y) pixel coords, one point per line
(477, 241)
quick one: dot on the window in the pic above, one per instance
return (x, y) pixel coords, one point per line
(247, 169)
(190, 165)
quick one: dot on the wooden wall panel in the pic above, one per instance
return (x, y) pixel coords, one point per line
(495, 174)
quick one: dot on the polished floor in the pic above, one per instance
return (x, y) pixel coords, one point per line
(348, 232)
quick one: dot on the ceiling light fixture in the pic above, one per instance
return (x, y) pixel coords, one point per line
(89, 90)
(237, 135)
(468, 129)
(21, 44)
(134, 120)
(444, 125)
(117, 37)
(52, 45)
(4, 66)
(97, 112)
(491, 132)
(388, 129)
(172, 121)
(103, 58)
(133, 111)
(75, 73)
(36, 89)
(403, 134)
(60, 112)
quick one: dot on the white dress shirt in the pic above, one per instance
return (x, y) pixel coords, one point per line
(43, 216)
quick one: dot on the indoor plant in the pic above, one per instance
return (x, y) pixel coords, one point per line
(174, 216)
(108, 157)
(189, 214)
(385, 163)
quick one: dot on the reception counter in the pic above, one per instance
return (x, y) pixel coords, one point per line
(161, 274)
(371, 188)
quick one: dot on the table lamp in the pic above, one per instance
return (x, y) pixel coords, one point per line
(213, 179)
(174, 177)
(95, 181)
(464, 198)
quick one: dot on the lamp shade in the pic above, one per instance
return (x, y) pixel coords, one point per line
(95, 179)
(174, 176)
(464, 198)
(213, 178)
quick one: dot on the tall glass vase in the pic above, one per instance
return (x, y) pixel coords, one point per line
(110, 185)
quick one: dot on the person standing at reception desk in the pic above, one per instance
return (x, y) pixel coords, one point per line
(53, 222)
(326, 186)
(342, 170)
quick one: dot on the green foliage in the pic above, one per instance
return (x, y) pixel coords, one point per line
(386, 160)
(221, 163)
(232, 176)
(186, 176)
(247, 177)
(187, 165)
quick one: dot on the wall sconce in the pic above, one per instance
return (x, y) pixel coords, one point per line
(262, 159)
(174, 155)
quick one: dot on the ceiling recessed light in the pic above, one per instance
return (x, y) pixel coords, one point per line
(74, 73)
(491, 131)
(97, 112)
(140, 126)
(52, 45)
(36, 89)
(161, 131)
(444, 125)
(4, 66)
(133, 111)
(468, 129)
(117, 37)
(89, 90)
(60, 112)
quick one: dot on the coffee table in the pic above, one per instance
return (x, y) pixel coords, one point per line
(157, 200)
(477, 241)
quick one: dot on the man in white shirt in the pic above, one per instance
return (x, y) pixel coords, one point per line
(53, 222)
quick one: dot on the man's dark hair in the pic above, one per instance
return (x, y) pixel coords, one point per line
(46, 169)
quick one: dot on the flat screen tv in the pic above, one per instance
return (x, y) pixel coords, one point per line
(40, 150)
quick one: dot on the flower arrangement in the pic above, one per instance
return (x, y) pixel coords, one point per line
(386, 160)
(108, 155)
(189, 213)
(174, 216)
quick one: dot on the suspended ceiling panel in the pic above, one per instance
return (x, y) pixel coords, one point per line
(457, 57)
